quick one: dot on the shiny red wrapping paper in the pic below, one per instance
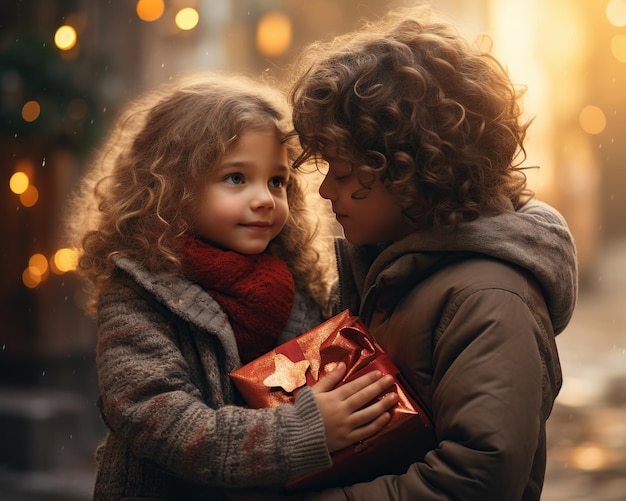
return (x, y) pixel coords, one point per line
(274, 379)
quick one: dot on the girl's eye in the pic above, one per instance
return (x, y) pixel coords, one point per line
(234, 178)
(277, 182)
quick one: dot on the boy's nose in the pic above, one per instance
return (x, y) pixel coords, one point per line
(325, 189)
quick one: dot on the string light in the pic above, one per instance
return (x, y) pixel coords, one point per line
(589, 457)
(592, 120)
(65, 37)
(618, 47)
(31, 111)
(150, 10)
(187, 19)
(274, 34)
(64, 260)
(616, 12)
(30, 197)
(19, 182)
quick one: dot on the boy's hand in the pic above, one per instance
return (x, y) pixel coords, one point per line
(346, 420)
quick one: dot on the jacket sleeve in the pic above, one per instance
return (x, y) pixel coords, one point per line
(491, 396)
(149, 399)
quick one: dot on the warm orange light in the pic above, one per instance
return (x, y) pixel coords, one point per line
(19, 183)
(31, 111)
(64, 260)
(150, 10)
(616, 12)
(618, 47)
(592, 120)
(38, 262)
(30, 196)
(65, 37)
(589, 457)
(274, 34)
(187, 19)
(30, 279)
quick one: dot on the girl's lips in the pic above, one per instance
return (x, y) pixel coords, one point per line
(258, 226)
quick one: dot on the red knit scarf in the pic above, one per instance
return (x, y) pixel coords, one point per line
(255, 291)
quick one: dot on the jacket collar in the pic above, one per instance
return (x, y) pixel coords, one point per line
(185, 299)
(535, 238)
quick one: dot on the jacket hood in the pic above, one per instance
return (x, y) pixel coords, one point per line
(535, 238)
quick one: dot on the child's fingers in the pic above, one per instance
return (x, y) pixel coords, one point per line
(374, 411)
(330, 380)
(370, 428)
(364, 389)
(372, 418)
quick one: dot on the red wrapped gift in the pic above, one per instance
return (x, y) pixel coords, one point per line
(274, 379)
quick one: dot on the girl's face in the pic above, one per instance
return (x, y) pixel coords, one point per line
(243, 205)
(370, 220)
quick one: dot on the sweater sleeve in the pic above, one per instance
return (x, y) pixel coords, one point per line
(150, 401)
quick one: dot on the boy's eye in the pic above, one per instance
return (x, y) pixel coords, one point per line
(234, 178)
(277, 182)
(340, 170)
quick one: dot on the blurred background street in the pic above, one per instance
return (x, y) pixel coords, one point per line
(67, 67)
(587, 429)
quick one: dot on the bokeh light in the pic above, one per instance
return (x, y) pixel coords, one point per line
(150, 10)
(30, 196)
(616, 12)
(65, 37)
(31, 111)
(64, 260)
(274, 34)
(592, 120)
(38, 262)
(18, 183)
(589, 457)
(618, 47)
(187, 19)
(31, 278)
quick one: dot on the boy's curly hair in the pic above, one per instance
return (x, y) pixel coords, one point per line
(408, 101)
(149, 176)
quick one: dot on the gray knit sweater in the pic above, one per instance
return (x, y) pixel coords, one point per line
(176, 427)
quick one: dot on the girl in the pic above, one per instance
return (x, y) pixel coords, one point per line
(196, 264)
(461, 281)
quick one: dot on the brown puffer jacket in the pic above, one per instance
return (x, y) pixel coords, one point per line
(470, 318)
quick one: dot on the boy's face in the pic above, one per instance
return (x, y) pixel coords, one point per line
(373, 219)
(243, 205)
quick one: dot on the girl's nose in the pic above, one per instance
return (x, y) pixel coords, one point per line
(263, 198)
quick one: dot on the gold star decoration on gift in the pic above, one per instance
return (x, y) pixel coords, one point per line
(287, 375)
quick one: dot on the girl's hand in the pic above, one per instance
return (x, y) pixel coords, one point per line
(347, 417)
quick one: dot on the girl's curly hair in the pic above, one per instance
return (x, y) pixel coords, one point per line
(408, 101)
(147, 180)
